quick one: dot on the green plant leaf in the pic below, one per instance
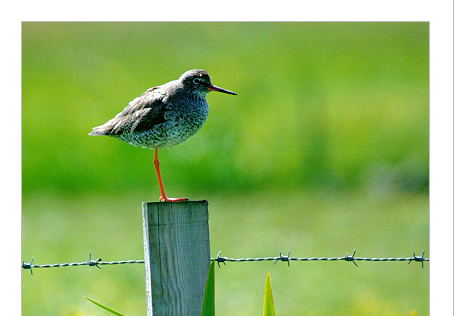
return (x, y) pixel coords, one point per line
(268, 304)
(208, 298)
(104, 307)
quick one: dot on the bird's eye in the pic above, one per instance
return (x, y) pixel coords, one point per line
(197, 80)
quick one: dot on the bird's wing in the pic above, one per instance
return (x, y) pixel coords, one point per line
(142, 113)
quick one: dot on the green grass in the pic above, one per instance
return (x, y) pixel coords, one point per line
(268, 304)
(66, 229)
(208, 306)
(105, 307)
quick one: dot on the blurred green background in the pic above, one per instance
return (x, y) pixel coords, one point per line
(324, 150)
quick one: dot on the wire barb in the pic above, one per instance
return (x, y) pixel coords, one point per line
(418, 259)
(351, 258)
(95, 263)
(28, 266)
(283, 258)
(219, 259)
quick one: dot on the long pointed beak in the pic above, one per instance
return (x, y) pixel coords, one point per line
(214, 88)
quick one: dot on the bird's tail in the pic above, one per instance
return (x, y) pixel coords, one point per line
(111, 128)
(100, 131)
(96, 133)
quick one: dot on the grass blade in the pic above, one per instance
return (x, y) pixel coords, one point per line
(104, 307)
(268, 304)
(208, 298)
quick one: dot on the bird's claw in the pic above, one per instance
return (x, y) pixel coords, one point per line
(166, 199)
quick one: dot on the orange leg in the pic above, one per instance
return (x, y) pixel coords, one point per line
(163, 197)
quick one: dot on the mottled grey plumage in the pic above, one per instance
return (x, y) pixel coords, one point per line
(166, 115)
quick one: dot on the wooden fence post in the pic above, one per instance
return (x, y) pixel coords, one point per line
(177, 256)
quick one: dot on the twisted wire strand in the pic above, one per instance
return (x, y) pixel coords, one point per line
(84, 263)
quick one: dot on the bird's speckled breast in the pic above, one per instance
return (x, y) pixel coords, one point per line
(183, 120)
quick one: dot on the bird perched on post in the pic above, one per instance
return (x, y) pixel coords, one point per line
(164, 116)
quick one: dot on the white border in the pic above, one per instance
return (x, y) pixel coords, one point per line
(438, 12)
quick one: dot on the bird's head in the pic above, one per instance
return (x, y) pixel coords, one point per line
(199, 81)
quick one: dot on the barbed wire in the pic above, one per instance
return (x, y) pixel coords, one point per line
(347, 257)
(92, 263)
(350, 258)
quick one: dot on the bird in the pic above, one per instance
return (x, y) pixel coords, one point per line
(164, 116)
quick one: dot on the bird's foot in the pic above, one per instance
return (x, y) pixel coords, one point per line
(166, 199)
